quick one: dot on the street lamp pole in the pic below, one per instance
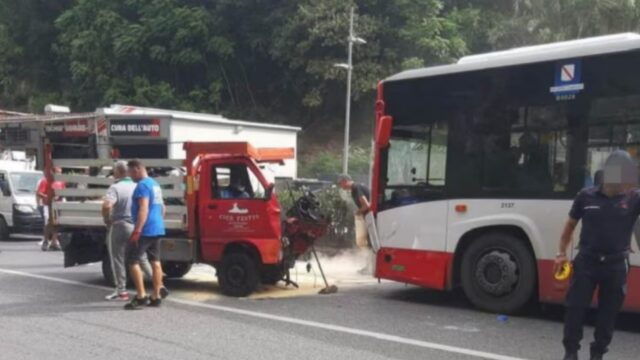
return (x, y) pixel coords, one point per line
(347, 122)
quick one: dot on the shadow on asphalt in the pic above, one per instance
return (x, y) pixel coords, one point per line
(629, 322)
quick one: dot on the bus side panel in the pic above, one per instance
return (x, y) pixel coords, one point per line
(555, 293)
(540, 220)
(421, 226)
(413, 242)
(632, 302)
(423, 268)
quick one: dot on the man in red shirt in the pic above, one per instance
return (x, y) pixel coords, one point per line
(50, 241)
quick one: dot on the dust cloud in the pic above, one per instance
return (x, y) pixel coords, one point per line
(346, 266)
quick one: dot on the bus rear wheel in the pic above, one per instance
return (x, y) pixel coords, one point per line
(498, 273)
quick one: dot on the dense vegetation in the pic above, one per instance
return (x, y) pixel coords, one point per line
(263, 60)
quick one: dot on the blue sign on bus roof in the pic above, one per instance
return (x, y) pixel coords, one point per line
(568, 79)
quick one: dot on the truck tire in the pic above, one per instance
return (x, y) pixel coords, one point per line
(238, 275)
(4, 230)
(175, 269)
(498, 273)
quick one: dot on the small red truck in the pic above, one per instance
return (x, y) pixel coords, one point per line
(221, 210)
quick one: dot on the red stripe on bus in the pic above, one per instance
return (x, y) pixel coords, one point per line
(430, 269)
(417, 267)
(552, 291)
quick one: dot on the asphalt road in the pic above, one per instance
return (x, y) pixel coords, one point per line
(47, 312)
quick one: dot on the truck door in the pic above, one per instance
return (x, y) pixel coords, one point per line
(235, 206)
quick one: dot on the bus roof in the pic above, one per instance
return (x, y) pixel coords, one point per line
(530, 54)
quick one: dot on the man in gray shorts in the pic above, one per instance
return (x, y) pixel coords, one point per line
(116, 211)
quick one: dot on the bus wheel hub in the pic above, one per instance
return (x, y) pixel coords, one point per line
(496, 273)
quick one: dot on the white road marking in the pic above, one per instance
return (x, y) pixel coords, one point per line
(284, 319)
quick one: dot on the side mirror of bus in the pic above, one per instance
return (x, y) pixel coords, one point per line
(383, 133)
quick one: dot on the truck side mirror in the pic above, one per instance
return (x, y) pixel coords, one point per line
(269, 191)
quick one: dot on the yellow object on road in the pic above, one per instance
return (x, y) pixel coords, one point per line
(564, 273)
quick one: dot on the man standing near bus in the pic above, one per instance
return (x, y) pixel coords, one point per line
(147, 211)
(361, 196)
(608, 213)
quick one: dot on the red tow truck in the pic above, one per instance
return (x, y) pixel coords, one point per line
(221, 210)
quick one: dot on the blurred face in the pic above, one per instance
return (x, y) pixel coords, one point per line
(57, 170)
(136, 173)
(345, 184)
(619, 178)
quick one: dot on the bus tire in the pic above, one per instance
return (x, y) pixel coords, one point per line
(498, 273)
(238, 275)
(175, 269)
(4, 230)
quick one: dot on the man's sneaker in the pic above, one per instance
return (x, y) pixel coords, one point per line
(137, 303)
(154, 302)
(164, 292)
(54, 246)
(44, 245)
(118, 295)
(570, 356)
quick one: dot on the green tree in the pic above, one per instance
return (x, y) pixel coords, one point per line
(30, 75)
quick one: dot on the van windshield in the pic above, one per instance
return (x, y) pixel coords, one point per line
(25, 182)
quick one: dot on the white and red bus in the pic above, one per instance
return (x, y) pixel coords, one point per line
(477, 163)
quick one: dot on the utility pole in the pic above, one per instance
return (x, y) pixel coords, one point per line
(349, 67)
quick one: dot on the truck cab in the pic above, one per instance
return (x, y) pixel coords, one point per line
(18, 208)
(236, 215)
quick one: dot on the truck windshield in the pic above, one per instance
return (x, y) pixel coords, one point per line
(25, 182)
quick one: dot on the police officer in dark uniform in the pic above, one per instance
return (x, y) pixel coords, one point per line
(608, 213)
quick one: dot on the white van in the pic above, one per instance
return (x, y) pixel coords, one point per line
(18, 207)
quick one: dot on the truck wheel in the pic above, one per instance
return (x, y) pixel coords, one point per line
(498, 273)
(175, 269)
(107, 272)
(238, 275)
(4, 230)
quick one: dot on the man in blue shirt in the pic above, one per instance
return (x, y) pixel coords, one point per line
(147, 212)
